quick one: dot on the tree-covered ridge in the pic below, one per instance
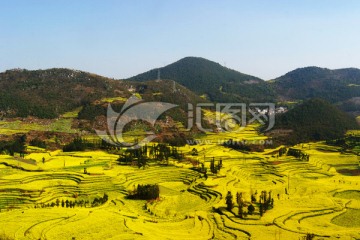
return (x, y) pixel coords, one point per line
(315, 120)
(335, 86)
(218, 83)
(49, 93)
(166, 91)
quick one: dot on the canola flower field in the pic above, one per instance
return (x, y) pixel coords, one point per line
(310, 197)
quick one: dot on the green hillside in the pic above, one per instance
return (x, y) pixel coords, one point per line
(340, 86)
(217, 83)
(315, 120)
(49, 93)
(152, 91)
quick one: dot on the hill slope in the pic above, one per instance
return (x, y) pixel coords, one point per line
(150, 91)
(218, 83)
(48, 93)
(340, 86)
(315, 120)
(52, 92)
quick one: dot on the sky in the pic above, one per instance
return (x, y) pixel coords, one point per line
(122, 38)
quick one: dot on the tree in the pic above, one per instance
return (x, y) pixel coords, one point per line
(229, 202)
(310, 236)
(194, 152)
(105, 198)
(144, 192)
(251, 209)
(240, 203)
(213, 169)
(253, 198)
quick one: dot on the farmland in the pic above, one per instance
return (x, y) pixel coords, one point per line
(310, 197)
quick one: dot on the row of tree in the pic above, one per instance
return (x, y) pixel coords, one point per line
(71, 204)
(160, 152)
(265, 203)
(81, 144)
(14, 146)
(298, 154)
(243, 146)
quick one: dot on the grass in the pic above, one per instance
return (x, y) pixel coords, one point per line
(59, 125)
(349, 194)
(349, 219)
(72, 114)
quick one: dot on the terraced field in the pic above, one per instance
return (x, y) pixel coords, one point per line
(309, 197)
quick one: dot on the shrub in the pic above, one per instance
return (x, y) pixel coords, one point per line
(146, 192)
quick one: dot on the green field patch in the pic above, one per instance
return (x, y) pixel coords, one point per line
(349, 194)
(350, 219)
(72, 114)
(114, 99)
(59, 125)
(354, 132)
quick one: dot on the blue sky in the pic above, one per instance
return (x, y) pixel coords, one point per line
(122, 38)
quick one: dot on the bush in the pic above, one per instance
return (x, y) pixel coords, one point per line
(146, 192)
(78, 144)
(36, 142)
(251, 209)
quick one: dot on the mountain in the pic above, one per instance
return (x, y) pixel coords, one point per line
(314, 120)
(340, 86)
(52, 92)
(210, 79)
(49, 93)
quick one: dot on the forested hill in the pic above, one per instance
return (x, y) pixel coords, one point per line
(315, 120)
(48, 93)
(217, 83)
(52, 92)
(340, 86)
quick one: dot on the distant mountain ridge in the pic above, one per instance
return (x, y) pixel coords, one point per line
(208, 78)
(51, 92)
(341, 86)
